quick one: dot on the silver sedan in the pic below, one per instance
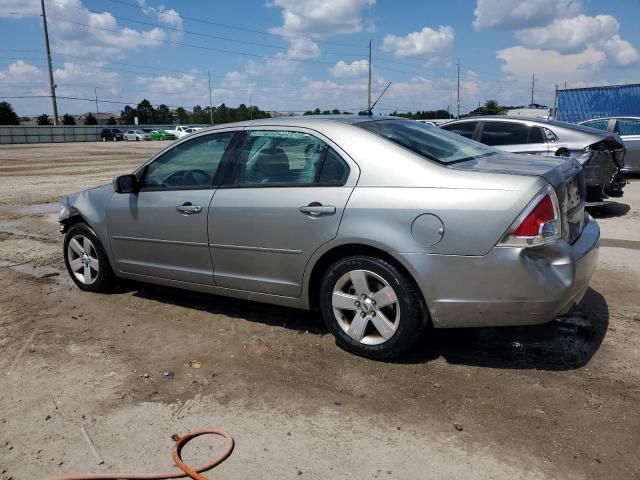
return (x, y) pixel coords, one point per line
(136, 135)
(629, 130)
(382, 225)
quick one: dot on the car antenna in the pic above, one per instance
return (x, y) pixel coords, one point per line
(370, 111)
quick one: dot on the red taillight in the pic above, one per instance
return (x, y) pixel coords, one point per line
(538, 224)
(542, 213)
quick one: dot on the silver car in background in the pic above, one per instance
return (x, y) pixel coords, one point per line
(601, 154)
(136, 135)
(381, 224)
(629, 130)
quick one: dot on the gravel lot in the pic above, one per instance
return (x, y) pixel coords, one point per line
(560, 400)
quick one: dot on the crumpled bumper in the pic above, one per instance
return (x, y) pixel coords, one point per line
(509, 285)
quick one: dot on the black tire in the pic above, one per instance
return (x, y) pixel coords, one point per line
(413, 315)
(104, 279)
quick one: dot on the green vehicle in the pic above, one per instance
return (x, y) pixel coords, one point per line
(161, 135)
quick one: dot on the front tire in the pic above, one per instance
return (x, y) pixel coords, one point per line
(86, 260)
(371, 307)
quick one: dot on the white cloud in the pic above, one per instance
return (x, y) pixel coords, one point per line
(7, 7)
(549, 64)
(73, 28)
(316, 18)
(357, 68)
(621, 51)
(173, 84)
(302, 48)
(570, 35)
(425, 42)
(519, 14)
(166, 16)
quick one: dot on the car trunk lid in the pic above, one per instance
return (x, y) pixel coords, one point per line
(563, 173)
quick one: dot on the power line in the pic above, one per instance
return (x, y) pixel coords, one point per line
(199, 34)
(243, 29)
(190, 45)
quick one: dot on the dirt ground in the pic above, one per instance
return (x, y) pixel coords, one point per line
(560, 400)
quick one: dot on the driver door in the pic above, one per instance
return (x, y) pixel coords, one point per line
(161, 231)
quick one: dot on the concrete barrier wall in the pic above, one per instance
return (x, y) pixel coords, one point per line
(64, 133)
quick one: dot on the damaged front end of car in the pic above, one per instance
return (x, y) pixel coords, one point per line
(602, 164)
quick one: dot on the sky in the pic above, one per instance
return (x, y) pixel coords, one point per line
(296, 55)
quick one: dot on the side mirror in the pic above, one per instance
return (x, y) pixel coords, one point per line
(126, 184)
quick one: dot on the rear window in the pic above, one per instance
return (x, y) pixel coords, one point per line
(432, 143)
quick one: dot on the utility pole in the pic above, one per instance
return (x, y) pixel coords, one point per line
(250, 108)
(458, 115)
(369, 90)
(95, 92)
(210, 98)
(533, 85)
(555, 104)
(52, 86)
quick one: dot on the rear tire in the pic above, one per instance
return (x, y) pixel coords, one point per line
(371, 307)
(86, 260)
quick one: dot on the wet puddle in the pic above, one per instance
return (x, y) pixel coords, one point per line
(29, 269)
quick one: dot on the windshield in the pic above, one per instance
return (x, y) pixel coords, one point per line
(432, 143)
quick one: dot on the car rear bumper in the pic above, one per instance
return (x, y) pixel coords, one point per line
(509, 285)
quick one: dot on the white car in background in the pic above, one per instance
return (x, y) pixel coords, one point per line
(136, 135)
(183, 130)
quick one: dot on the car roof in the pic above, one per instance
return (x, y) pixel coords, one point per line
(503, 118)
(309, 121)
(621, 117)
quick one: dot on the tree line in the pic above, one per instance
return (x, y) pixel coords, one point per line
(148, 114)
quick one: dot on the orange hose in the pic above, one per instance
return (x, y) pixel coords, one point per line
(186, 470)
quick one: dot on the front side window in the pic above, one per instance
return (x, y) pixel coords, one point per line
(465, 129)
(626, 126)
(432, 143)
(191, 164)
(282, 157)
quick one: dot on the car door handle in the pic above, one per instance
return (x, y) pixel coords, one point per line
(316, 209)
(187, 208)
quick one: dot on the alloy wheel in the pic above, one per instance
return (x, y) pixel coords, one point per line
(366, 307)
(83, 259)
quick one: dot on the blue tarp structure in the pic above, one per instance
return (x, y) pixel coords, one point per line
(578, 104)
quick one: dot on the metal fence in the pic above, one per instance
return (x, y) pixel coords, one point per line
(578, 104)
(64, 133)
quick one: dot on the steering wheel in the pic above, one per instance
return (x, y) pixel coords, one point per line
(195, 177)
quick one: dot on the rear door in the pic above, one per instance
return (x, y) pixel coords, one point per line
(286, 198)
(514, 137)
(161, 231)
(629, 131)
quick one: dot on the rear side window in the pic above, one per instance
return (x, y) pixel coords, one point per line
(288, 158)
(627, 127)
(535, 135)
(507, 133)
(465, 128)
(601, 124)
(334, 169)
